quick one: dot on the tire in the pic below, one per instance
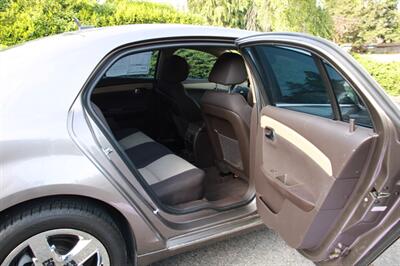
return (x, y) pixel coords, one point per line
(57, 219)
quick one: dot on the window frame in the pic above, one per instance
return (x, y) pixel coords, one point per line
(90, 86)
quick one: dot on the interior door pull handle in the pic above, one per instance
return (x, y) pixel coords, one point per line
(269, 132)
(137, 91)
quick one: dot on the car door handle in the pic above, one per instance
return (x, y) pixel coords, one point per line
(269, 133)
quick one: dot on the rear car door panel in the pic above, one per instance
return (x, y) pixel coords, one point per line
(314, 142)
(306, 171)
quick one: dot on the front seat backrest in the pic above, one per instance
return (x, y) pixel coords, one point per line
(183, 108)
(227, 116)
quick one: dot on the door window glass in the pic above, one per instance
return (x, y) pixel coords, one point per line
(350, 105)
(200, 62)
(292, 80)
(295, 80)
(138, 65)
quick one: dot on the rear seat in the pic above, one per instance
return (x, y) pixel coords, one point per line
(173, 179)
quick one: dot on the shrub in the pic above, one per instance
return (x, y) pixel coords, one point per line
(24, 20)
(387, 74)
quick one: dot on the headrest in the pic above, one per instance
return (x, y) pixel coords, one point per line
(174, 69)
(229, 69)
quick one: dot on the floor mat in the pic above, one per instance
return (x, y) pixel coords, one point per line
(219, 187)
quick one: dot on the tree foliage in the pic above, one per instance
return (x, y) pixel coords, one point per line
(227, 13)
(200, 63)
(23, 20)
(272, 15)
(299, 16)
(379, 21)
(365, 21)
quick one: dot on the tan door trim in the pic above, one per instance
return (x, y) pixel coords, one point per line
(299, 141)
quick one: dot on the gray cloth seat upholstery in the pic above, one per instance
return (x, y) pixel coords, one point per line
(227, 116)
(183, 109)
(173, 179)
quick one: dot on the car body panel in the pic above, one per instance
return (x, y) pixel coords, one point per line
(41, 80)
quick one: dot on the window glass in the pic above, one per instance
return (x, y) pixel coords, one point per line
(351, 106)
(200, 62)
(295, 80)
(139, 65)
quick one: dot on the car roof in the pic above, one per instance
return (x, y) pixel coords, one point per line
(46, 75)
(114, 36)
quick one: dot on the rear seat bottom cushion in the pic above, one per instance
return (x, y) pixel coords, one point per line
(184, 187)
(173, 179)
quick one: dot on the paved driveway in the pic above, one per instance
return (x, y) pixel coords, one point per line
(262, 247)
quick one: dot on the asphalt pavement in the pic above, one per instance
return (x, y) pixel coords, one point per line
(261, 247)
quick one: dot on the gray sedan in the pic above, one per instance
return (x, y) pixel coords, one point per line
(126, 145)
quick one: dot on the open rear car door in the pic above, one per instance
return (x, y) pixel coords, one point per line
(324, 149)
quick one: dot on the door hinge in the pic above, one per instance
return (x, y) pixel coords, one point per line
(339, 251)
(377, 195)
(107, 151)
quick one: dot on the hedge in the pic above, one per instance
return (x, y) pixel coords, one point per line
(24, 20)
(387, 74)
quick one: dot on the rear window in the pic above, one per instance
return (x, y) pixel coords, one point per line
(138, 65)
(200, 62)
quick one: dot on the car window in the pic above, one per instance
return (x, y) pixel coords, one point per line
(200, 62)
(138, 65)
(295, 80)
(350, 104)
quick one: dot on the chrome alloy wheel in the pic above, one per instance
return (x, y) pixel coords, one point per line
(59, 247)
